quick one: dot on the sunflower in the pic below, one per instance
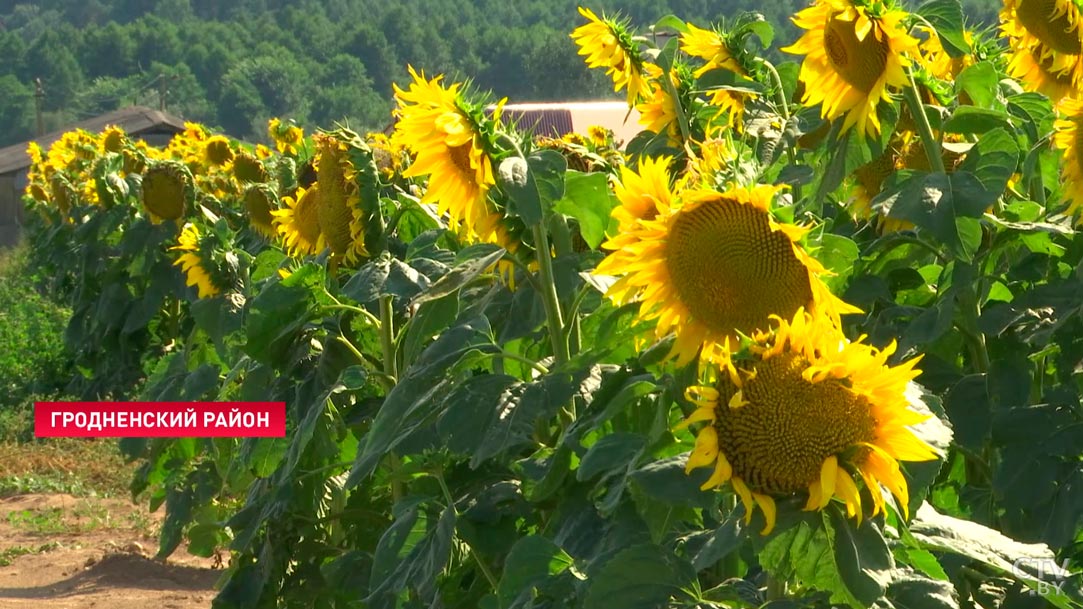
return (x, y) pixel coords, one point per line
(167, 191)
(658, 111)
(805, 410)
(713, 160)
(259, 202)
(1034, 68)
(715, 49)
(287, 138)
(299, 221)
(339, 213)
(853, 56)
(607, 43)
(712, 266)
(248, 168)
(217, 151)
(599, 136)
(1045, 36)
(936, 58)
(643, 194)
(387, 154)
(1067, 131)
(904, 151)
(436, 125)
(191, 262)
(113, 139)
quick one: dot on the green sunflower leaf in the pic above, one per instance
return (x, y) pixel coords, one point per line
(640, 577)
(532, 560)
(587, 198)
(533, 184)
(910, 590)
(861, 556)
(1033, 564)
(947, 17)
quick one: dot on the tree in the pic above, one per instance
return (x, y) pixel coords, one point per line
(51, 60)
(17, 109)
(109, 51)
(271, 84)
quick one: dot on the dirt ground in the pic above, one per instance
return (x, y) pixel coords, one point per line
(62, 551)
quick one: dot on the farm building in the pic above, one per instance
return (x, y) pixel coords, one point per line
(559, 118)
(154, 126)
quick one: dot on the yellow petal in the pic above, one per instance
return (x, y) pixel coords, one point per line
(746, 497)
(699, 414)
(813, 502)
(706, 449)
(767, 505)
(847, 490)
(828, 473)
(722, 472)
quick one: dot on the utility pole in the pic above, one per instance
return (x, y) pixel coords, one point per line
(39, 102)
(162, 90)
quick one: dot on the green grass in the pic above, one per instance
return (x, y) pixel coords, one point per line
(10, 554)
(33, 364)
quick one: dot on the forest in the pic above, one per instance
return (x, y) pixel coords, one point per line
(233, 65)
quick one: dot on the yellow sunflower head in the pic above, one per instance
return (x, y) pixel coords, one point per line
(868, 181)
(288, 138)
(658, 110)
(607, 43)
(167, 190)
(854, 56)
(644, 193)
(1068, 131)
(387, 154)
(260, 203)
(1046, 40)
(713, 160)
(217, 151)
(113, 139)
(191, 260)
(248, 168)
(195, 132)
(298, 222)
(803, 410)
(1038, 71)
(339, 212)
(599, 136)
(447, 136)
(936, 58)
(714, 266)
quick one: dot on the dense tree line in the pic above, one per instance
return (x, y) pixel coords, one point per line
(235, 64)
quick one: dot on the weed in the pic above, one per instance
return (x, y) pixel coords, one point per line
(40, 522)
(10, 554)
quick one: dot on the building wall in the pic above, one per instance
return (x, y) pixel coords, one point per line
(10, 210)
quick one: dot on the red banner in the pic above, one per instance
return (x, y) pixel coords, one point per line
(159, 419)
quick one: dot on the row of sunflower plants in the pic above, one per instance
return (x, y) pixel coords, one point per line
(809, 338)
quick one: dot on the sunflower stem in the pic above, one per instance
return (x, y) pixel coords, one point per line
(485, 571)
(682, 118)
(562, 236)
(784, 106)
(387, 337)
(338, 306)
(925, 130)
(777, 80)
(549, 294)
(968, 300)
(503, 354)
(776, 588)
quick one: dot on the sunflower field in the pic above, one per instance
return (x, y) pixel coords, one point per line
(813, 338)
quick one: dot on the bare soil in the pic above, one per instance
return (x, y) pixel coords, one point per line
(61, 551)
